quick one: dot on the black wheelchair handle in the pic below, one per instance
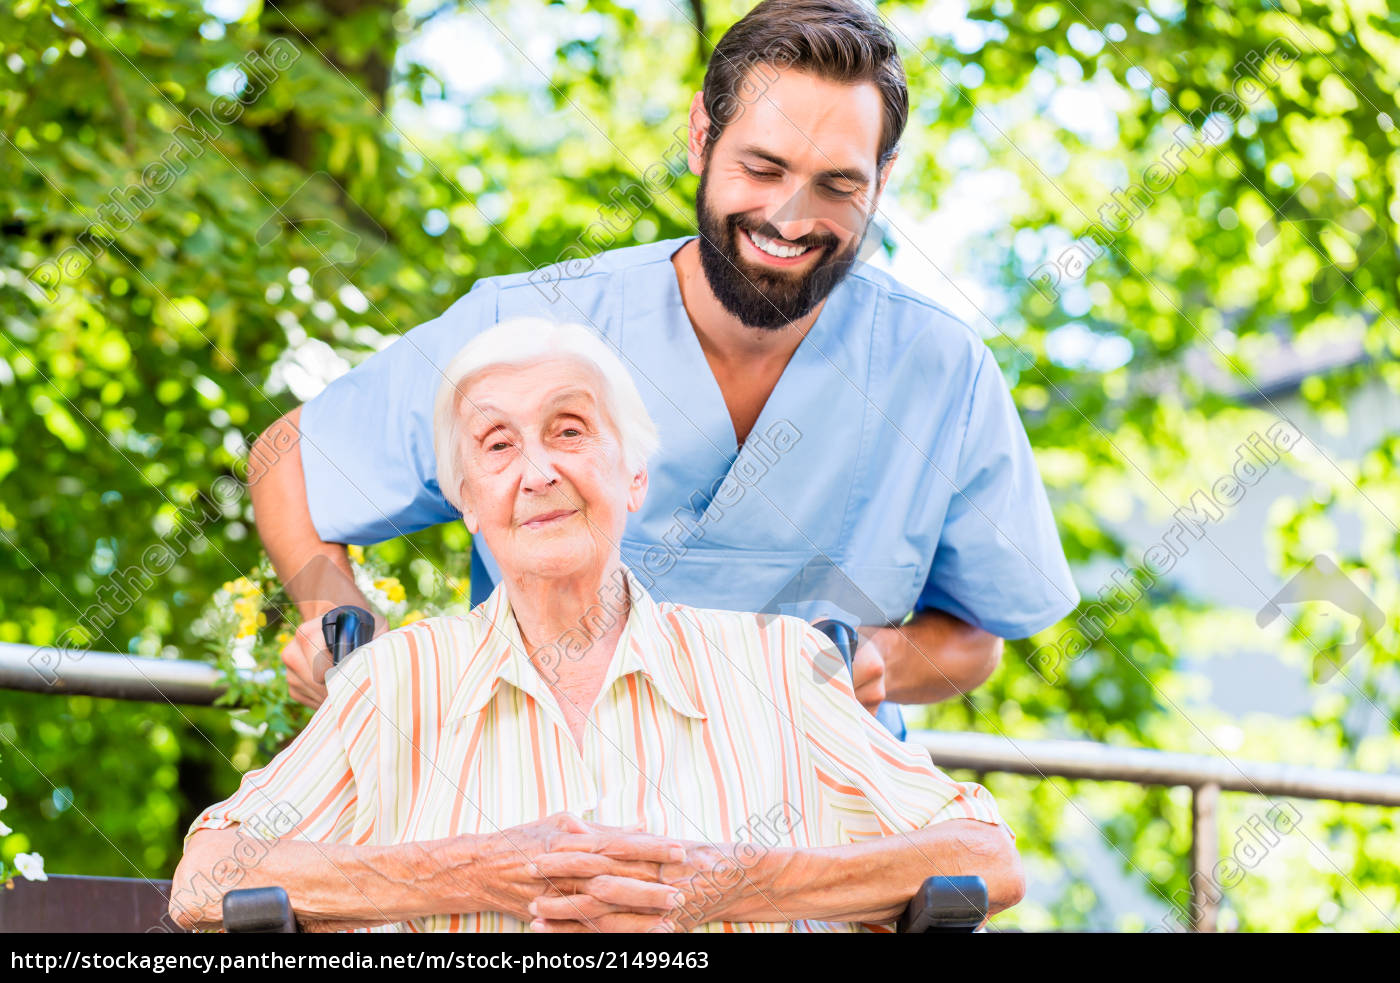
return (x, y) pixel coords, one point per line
(842, 635)
(846, 639)
(346, 629)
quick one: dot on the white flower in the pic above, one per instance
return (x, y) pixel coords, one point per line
(4, 830)
(247, 729)
(364, 580)
(243, 652)
(31, 865)
(3, 802)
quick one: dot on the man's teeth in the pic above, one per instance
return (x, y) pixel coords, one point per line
(776, 249)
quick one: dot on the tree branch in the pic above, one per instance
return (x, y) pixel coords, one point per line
(702, 44)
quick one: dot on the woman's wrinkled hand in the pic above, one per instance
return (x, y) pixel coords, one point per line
(695, 886)
(562, 857)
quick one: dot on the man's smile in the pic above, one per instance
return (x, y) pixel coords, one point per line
(776, 251)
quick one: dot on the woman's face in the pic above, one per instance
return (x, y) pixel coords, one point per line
(544, 480)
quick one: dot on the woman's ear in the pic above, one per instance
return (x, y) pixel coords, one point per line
(637, 491)
(469, 518)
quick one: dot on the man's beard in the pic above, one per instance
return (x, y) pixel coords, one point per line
(759, 296)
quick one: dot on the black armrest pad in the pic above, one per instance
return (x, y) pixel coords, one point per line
(258, 909)
(946, 904)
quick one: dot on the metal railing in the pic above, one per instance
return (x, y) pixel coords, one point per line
(1205, 775)
(45, 670)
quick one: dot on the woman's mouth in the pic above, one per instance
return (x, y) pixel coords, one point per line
(548, 518)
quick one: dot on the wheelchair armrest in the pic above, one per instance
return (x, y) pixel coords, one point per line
(943, 904)
(259, 909)
(946, 904)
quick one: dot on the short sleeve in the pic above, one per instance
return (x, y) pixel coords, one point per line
(866, 783)
(367, 438)
(308, 791)
(999, 564)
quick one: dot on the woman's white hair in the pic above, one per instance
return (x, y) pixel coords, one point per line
(520, 341)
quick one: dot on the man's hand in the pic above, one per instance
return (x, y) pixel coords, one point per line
(868, 672)
(308, 660)
(935, 656)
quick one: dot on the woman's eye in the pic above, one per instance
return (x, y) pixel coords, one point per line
(499, 445)
(570, 432)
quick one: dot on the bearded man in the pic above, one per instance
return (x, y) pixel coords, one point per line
(834, 443)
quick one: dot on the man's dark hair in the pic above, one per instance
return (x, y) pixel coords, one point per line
(841, 41)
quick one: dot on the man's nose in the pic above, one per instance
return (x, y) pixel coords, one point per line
(806, 211)
(797, 213)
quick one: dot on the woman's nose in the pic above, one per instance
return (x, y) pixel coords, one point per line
(540, 472)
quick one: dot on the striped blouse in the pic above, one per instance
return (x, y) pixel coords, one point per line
(711, 726)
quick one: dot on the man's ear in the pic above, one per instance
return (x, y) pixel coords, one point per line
(637, 492)
(884, 175)
(699, 134)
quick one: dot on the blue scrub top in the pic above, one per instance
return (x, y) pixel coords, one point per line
(888, 472)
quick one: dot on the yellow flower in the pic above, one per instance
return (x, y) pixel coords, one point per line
(392, 589)
(411, 617)
(357, 553)
(243, 587)
(250, 616)
(240, 587)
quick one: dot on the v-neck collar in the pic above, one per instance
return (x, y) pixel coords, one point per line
(704, 488)
(719, 422)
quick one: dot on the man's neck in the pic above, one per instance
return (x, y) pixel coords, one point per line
(724, 337)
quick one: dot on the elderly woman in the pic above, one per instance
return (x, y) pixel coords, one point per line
(573, 754)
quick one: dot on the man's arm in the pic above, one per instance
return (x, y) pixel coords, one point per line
(359, 458)
(998, 563)
(933, 657)
(316, 574)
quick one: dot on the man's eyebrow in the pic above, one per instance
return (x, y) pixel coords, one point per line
(856, 175)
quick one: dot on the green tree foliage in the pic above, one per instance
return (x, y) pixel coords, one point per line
(195, 213)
